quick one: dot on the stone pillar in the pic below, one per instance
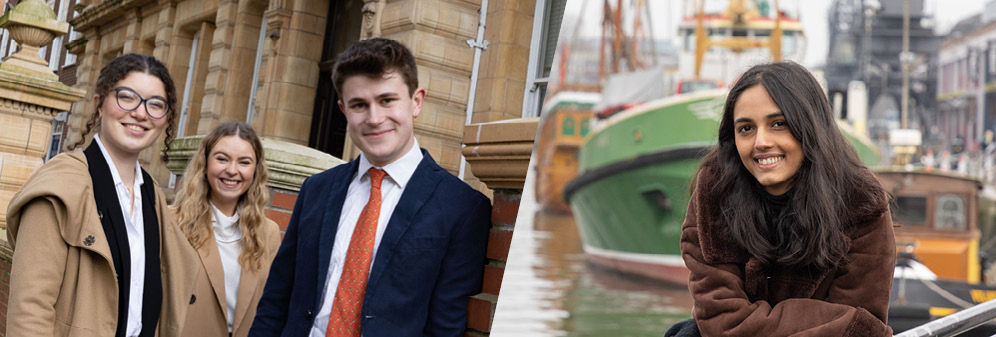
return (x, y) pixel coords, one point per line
(498, 153)
(292, 56)
(30, 96)
(502, 80)
(289, 164)
(233, 55)
(88, 55)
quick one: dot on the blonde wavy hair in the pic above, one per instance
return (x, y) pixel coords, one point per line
(192, 207)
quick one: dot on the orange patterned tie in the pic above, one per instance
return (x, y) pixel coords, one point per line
(345, 317)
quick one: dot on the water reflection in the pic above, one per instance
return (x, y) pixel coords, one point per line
(550, 290)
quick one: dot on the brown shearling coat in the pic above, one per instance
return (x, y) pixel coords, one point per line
(62, 281)
(207, 316)
(736, 294)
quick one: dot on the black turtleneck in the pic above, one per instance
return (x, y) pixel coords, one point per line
(775, 209)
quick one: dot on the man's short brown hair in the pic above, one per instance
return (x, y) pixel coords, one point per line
(375, 58)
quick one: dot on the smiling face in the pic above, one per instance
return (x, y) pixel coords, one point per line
(765, 144)
(231, 165)
(380, 115)
(126, 133)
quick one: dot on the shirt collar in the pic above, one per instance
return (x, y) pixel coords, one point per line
(400, 170)
(114, 169)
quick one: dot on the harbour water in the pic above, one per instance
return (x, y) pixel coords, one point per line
(549, 289)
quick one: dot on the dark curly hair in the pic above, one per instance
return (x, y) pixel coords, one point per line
(375, 58)
(117, 70)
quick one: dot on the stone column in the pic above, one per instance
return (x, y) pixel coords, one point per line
(233, 55)
(30, 96)
(295, 36)
(498, 154)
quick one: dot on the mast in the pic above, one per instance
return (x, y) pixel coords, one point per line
(739, 15)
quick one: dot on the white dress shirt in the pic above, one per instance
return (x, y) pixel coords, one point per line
(228, 234)
(131, 208)
(398, 174)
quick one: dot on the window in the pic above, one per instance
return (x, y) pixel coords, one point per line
(58, 124)
(53, 60)
(4, 42)
(910, 210)
(950, 214)
(546, 29)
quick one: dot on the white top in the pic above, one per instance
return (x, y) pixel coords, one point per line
(131, 208)
(228, 234)
(398, 174)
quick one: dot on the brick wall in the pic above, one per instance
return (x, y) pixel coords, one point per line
(280, 207)
(68, 75)
(481, 308)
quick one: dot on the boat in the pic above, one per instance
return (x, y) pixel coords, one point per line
(940, 245)
(721, 45)
(564, 124)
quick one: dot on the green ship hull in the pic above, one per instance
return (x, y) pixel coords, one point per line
(631, 195)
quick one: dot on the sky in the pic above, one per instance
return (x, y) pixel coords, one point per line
(813, 14)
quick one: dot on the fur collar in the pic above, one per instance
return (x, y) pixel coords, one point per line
(719, 248)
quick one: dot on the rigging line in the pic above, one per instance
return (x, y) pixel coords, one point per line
(944, 293)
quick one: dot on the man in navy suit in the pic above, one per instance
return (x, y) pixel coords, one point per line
(389, 244)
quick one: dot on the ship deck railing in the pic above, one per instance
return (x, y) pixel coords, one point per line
(956, 323)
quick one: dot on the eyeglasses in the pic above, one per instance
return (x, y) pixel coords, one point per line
(129, 100)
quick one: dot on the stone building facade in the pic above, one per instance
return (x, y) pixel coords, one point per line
(269, 63)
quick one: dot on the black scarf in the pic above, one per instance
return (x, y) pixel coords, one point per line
(112, 220)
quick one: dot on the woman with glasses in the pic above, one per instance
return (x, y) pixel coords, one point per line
(95, 253)
(220, 208)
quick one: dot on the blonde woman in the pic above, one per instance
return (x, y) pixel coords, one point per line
(220, 209)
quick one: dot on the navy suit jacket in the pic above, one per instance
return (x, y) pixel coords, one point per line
(430, 259)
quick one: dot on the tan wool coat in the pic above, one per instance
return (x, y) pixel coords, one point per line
(62, 281)
(207, 314)
(736, 294)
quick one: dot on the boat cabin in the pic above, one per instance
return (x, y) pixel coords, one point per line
(935, 215)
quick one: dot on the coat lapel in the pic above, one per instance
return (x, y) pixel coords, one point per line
(248, 283)
(113, 223)
(330, 223)
(91, 234)
(179, 271)
(419, 190)
(211, 259)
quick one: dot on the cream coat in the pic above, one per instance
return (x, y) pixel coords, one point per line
(206, 316)
(62, 282)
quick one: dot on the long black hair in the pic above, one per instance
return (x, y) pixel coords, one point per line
(830, 178)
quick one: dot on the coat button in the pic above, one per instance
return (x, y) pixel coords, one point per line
(308, 315)
(193, 298)
(89, 240)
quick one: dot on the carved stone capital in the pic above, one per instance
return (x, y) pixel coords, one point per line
(372, 10)
(498, 152)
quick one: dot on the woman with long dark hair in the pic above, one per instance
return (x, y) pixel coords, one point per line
(787, 232)
(95, 252)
